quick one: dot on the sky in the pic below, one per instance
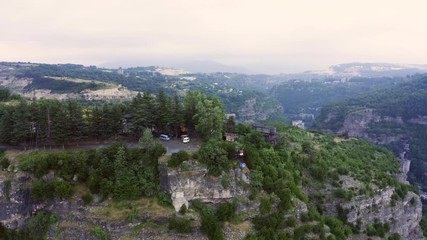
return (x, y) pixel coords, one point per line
(268, 36)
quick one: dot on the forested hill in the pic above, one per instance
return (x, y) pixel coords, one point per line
(238, 92)
(406, 100)
(391, 117)
(306, 98)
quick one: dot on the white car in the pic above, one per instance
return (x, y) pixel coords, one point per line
(164, 137)
(185, 139)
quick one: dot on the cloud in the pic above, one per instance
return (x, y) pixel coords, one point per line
(264, 35)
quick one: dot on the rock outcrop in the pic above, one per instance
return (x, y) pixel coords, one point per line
(260, 110)
(357, 124)
(16, 205)
(402, 216)
(184, 186)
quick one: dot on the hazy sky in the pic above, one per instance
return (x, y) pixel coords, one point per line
(263, 36)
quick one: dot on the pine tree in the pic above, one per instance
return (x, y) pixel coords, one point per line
(21, 128)
(178, 115)
(163, 114)
(60, 126)
(76, 125)
(144, 117)
(6, 121)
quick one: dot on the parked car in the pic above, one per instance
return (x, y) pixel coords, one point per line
(164, 137)
(185, 139)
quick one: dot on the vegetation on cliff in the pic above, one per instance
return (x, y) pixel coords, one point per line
(309, 97)
(292, 181)
(406, 102)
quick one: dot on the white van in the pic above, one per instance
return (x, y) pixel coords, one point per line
(164, 137)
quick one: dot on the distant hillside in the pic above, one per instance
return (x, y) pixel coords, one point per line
(305, 99)
(387, 117)
(374, 70)
(241, 94)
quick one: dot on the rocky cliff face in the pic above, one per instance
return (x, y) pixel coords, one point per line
(402, 216)
(358, 122)
(253, 109)
(184, 186)
(16, 205)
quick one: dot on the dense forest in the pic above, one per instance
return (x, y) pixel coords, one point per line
(308, 97)
(46, 123)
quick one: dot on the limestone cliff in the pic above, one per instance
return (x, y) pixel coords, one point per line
(402, 216)
(259, 110)
(357, 124)
(184, 186)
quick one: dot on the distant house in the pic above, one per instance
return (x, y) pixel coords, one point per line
(264, 129)
(298, 123)
(269, 133)
(229, 115)
(230, 137)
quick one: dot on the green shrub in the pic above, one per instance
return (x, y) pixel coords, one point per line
(43, 190)
(195, 155)
(184, 167)
(181, 225)
(164, 199)
(210, 225)
(4, 163)
(87, 198)
(100, 233)
(371, 231)
(343, 194)
(424, 225)
(230, 148)
(132, 215)
(265, 205)
(226, 211)
(94, 183)
(197, 205)
(225, 181)
(183, 209)
(177, 158)
(291, 222)
(47, 190)
(38, 225)
(394, 236)
(63, 190)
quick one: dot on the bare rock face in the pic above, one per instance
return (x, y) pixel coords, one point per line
(253, 109)
(403, 215)
(184, 186)
(16, 205)
(357, 123)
